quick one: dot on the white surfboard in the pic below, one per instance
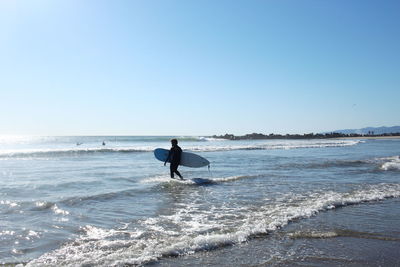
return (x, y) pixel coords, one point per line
(187, 159)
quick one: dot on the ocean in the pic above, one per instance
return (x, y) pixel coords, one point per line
(72, 201)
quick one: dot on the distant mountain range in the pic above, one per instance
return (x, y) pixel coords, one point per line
(371, 130)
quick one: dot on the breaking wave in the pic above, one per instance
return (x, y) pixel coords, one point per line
(279, 145)
(390, 163)
(191, 181)
(209, 147)
(189, 229)
(69, 151)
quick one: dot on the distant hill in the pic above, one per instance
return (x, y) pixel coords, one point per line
(371, 130)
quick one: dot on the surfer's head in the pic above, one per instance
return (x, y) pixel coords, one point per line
(174, 142)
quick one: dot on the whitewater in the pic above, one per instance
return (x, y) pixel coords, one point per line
(73, 201)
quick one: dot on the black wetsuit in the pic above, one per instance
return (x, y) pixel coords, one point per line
(174, 157)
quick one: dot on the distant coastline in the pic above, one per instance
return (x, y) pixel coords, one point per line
(259, 136)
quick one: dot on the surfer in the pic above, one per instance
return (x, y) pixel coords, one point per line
(174, 156)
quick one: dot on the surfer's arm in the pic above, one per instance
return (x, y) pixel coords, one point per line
(169, 155)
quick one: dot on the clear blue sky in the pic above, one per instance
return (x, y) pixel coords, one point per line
(197, 67)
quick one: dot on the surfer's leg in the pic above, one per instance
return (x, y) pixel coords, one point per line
(178, 173)
(171, 170)
(176, 170)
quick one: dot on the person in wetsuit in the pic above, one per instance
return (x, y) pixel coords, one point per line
(174, 157)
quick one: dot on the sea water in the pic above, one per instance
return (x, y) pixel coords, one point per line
(76, 202)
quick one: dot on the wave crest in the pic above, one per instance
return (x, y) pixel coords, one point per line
(189, 230)
(209, 147)
(391, 163)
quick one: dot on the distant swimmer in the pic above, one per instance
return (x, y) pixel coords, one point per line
(174, 156)
(104, 143)
(78, 144)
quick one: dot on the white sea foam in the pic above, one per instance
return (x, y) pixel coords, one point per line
(189, 181)
(57, 210)
(390, 163)
(71, 151)
(4, 233)
(167, 179)
(192, 228)
(276, 145)
(233, 178)
(212, 139)
(9, 203)
(43, 204)
(157, 179)
(206, 147)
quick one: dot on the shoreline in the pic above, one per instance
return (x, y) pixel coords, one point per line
(343, 236)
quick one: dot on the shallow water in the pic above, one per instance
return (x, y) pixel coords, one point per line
(287, 201)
